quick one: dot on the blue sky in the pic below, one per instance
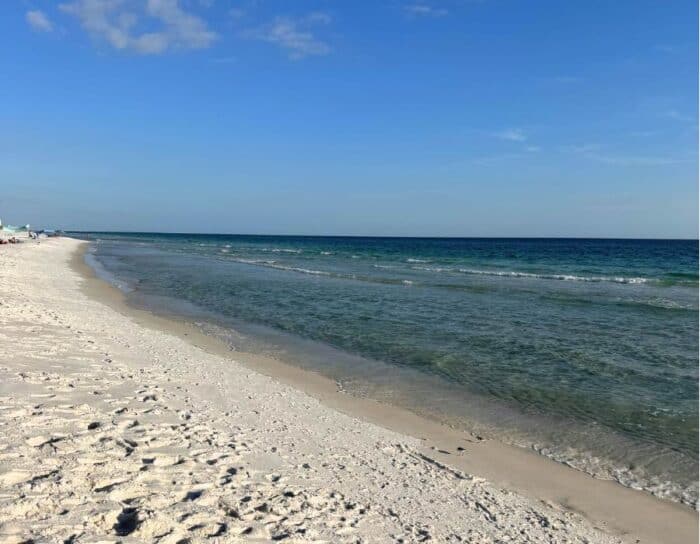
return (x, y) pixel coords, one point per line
(443, 117)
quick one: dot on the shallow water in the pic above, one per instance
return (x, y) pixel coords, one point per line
(586, 350)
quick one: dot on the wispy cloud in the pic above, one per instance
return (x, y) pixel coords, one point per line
(675, 115)
(244, 9)
(638, 160)
(525, 153)
(294, 35)
(581, 149)
(424, 10)
(665, 48)
(512, 135)
(121, 24)
(237, 13)
(39, 21)
(595, 153)
(487, 160)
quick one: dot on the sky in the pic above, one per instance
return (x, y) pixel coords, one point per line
(384, 117)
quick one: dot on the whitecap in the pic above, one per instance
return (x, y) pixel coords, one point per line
(431, 268)
(563, 277)
(272, 264)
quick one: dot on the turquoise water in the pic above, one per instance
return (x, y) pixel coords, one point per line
(586, 350)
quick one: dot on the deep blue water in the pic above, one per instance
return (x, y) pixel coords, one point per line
(584, 349)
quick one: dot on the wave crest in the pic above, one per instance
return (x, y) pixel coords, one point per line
(561, 277)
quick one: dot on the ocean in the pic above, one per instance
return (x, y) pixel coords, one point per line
(584, 350)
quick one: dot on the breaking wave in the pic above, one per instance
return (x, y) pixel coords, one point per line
(561, 277)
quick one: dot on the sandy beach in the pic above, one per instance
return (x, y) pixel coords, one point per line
(121, 426)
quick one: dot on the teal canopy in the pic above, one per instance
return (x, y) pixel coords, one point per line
(12, 228)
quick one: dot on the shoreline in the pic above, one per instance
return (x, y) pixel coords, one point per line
(120, 425)
(621, 511)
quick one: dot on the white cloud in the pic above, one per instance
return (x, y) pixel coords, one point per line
(581, 148)
(294, 35)
(498, 158)
(512, 135)
(121, 24)
(593, 152)
(424, 10)
(317, 17)
(38, 20)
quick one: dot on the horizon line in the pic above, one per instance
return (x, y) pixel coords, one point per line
(184, 233)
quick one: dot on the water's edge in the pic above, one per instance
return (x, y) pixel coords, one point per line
(256, 343)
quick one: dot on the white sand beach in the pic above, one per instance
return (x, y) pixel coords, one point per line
(115, 431)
